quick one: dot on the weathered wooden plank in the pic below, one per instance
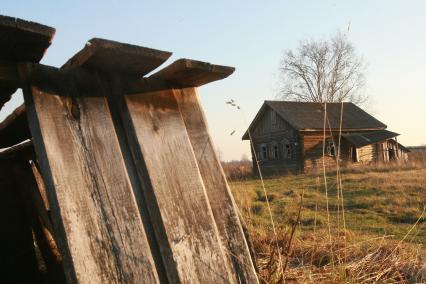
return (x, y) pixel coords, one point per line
(177, 185)
(218, 192)
(14, 128)
(42, 229)
(89, 190)
(40, 184)
(117, 57)
(20, 40)
(192, 73)
(21, 152)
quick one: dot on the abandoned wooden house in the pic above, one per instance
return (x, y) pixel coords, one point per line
(289, 136)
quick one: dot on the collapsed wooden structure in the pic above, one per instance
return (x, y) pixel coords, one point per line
(117, 174)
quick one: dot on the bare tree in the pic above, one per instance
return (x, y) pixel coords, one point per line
(323, 71)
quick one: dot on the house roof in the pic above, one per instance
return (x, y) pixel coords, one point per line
(310, 116)
(367, 138)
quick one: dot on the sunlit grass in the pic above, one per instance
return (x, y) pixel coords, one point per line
(380, 204)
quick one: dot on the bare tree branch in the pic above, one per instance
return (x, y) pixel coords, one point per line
(323, 71)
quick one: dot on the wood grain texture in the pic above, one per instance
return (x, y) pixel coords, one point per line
(89, 189)
(192, 73)
(117, 57)
(41, 186)
(177, 184)
(218, 192)
(40, 223)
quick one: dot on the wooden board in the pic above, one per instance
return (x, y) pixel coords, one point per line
(219, 195)
(21, 152)
(178, 187)
(14, 129)
(192, 73)
(117, 57)
(40, 223)
(20, 40)
(101, 230)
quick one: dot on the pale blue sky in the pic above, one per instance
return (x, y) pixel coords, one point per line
(252, 36)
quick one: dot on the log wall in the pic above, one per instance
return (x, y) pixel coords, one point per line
(313, 150)
(272, 131)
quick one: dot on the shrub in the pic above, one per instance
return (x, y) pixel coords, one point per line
(238, 170)
(261, 196)
(257, 208)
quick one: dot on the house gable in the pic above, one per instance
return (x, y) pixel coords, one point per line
(267, 122)
(270, 123)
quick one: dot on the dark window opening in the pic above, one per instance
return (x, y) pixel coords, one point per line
(286, 150)
(275, 152)
(263, 152)
(331, 149)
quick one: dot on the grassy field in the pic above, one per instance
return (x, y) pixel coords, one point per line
(383, 210)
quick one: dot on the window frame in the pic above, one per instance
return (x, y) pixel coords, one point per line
(263, 151)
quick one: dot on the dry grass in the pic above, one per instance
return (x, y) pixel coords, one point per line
(382, 205)
(238, 170)
(374, 260)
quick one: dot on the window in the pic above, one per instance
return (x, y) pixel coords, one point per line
(263, 154)
(286, 149)
(275, 155)
(331, 150)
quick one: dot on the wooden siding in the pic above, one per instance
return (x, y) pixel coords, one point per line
(313, 150)
(272, 131)
(367, 153)
(266, 127)
(390, 150)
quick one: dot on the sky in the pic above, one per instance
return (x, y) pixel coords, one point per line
(252, 36)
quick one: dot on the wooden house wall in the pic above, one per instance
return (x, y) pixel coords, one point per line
(367, 153)
(313, 149)
(270, 131)
(400, 153)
